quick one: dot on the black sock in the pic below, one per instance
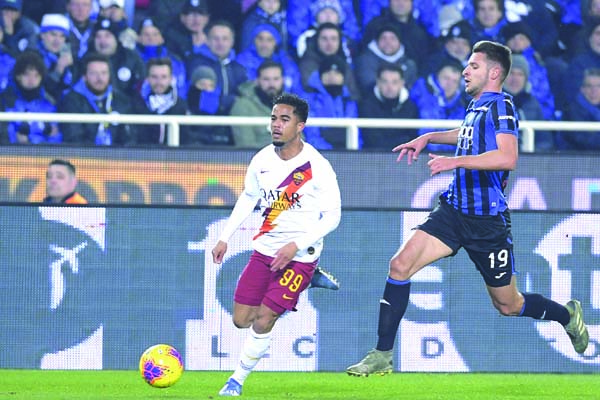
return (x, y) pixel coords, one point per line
(538, 307)
(391, 310)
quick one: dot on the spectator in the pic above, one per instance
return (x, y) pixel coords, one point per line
(152, 45)
(158, 96)
(20, 32)
(79, 13)
(585, 107)
(327, 43)
(115, 11)
(61, 184)
(329, 97)
(575, 35)
(440, 95)
(263, 12)
(204, 98)
(418, 43)
(388, 99)
(589, 58)
(489, 20)
(517, 84)
(456, 46)
(267, 46)
(301, 15)
(256, 100)
(518, 38)
(127, 67)
(186, 34)
(27, 94)
(386, 47)
(56, 52)
(436, 16)
(325, 12)
(219, 55)
(93, 94)
(7, 61)
(537, 15)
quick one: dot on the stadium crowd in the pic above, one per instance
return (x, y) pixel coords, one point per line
(348, 58)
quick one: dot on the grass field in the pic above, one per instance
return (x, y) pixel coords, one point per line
(88, 385)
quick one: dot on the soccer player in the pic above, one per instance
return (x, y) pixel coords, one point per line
(300, 202)
(61, 183)
(472, 213)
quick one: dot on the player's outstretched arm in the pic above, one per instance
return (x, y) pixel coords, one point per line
(411, 149)
(218, 252)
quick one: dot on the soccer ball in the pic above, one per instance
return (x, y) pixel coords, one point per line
(161, 366)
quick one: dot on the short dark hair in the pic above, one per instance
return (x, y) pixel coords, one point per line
(299, 104)
(268, 64)
(219, 22)
(391, 68)
(157, 61)
(495, 52)
(29, 59)
(65, 163)
(94, 57)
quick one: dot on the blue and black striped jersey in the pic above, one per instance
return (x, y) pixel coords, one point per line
(478, 192)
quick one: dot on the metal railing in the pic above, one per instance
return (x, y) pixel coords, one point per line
(351, 125)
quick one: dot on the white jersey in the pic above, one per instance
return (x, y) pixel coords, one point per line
(299, 199)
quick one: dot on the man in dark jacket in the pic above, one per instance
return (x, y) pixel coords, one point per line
(219, 55)
(158, 96)
(388, 99)
(93, 94)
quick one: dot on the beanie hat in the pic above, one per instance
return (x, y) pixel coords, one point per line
(105, 24)
(389, 28)
(512, 29)
(460, 30)
(110, 3)
(55, 22)
(203, 72)
(14, 4)
(332, 63)
(520, 62)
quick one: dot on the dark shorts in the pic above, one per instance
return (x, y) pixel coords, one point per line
(487, 239)
(279, 290)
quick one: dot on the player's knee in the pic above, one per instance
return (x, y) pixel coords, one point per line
(399, 269)
(241, 322)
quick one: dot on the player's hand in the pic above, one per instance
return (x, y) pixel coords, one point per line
(219, 251)
(283, 256)
(411, 149)
(439, 164)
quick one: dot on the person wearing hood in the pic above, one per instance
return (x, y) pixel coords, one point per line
(263, 12)
(218, 54)
(257, 100)
(329, 97)
(266, 45)
(94, 94)
(455, 45)
(302, 16)
(440, 95)
(151, 44)
(327, 42)
(26, 94)
(386, 47)
(388, 99)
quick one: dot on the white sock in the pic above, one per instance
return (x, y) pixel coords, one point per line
(255, 346)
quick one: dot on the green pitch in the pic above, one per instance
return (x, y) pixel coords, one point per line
(128, 385)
